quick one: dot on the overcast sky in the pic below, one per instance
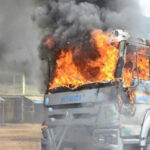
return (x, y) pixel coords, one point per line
(145, 5)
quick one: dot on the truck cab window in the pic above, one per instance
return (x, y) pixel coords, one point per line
(137, 65)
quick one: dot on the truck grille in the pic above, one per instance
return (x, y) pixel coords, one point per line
(78, 114)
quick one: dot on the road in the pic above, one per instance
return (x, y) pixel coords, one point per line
(20, 137)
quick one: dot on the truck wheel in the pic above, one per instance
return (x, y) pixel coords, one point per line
(148, 143)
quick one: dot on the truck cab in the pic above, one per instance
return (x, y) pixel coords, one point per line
(113, 115)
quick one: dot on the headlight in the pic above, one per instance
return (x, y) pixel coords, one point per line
(106, 138)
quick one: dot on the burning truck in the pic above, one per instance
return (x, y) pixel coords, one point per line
(98, 99)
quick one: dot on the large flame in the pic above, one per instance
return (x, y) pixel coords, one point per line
(141, 70)
(76, 67)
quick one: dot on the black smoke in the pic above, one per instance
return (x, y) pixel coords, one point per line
(71, 21)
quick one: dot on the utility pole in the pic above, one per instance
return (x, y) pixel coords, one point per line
(14, 83)
(23, 84)
(23, 93)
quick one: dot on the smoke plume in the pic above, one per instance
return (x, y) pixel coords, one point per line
(71, 21)
(19, 39)
(68, 23)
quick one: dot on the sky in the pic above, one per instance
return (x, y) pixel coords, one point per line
(145, 6)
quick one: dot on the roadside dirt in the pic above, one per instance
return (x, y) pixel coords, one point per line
(20, 137)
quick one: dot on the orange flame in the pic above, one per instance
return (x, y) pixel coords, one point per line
(49, 42)
(76, 67)
(142, 70)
